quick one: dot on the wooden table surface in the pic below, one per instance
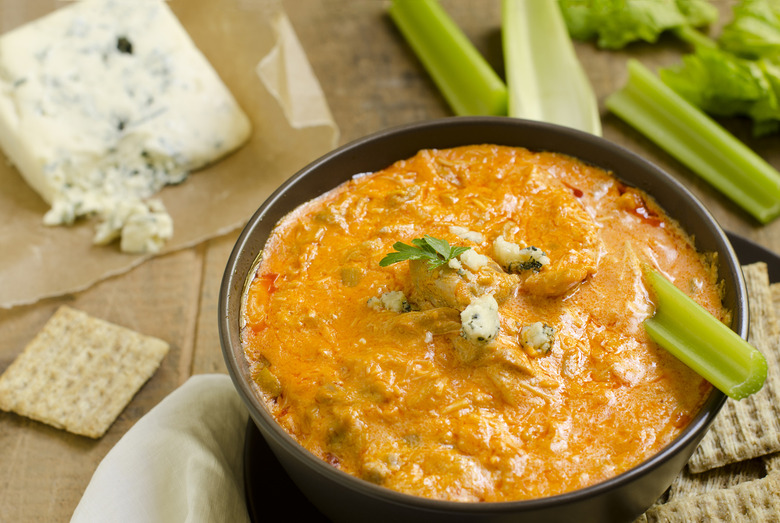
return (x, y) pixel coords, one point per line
(371, 81)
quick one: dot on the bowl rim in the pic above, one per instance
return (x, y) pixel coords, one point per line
(235, 281)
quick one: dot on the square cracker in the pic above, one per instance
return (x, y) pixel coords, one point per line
(749, 428)
(79, 372)
(751, 501)
(772, 461)
(687, 484)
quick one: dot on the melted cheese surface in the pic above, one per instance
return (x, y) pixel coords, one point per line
(400, 398)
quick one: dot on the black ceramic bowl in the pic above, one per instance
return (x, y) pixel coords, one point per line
(343, 497)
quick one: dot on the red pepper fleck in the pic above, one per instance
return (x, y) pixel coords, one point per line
(641, 210)
(577, 192)
(649, 216)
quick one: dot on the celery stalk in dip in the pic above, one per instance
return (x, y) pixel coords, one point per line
(698, 339)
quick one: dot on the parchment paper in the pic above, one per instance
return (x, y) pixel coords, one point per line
(253, 47)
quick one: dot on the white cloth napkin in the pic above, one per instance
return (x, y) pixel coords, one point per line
(181, 462)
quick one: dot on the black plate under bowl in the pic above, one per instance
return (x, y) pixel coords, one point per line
(271, 495)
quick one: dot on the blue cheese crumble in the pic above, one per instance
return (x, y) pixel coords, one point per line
(537, 338)
(146, 227)
(105, 102)
(514, 258)
(480, 321)
(466, 234)
(473, 260)
(394, 301)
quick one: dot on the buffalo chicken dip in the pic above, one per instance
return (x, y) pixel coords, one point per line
(467, 324)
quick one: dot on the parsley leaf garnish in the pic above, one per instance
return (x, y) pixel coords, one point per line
(436, 251)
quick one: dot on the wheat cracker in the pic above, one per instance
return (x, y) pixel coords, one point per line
(774, 289)
(772, 461)
(79, 372)
(689, 484)
(753, 501)
(749, 428)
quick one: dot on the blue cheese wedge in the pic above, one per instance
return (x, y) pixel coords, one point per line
(105, 102)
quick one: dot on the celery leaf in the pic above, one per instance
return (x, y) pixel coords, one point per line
(723, 84)
(617, 23)
(754, 30)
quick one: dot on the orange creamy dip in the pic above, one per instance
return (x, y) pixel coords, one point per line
(403, 399)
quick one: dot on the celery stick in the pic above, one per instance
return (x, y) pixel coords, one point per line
(698, 339)
(545, 80)
(468, 83)
(698, 141)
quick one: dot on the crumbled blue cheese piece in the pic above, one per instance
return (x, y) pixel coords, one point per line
(513, 258)
(473, 260)
(147, 218)
(147, 230)
(466, 234)
(455, 264)
(537, 338)
(480, 320)
(392, 301)
(104, 102)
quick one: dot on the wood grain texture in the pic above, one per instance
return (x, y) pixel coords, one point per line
(372, 81)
